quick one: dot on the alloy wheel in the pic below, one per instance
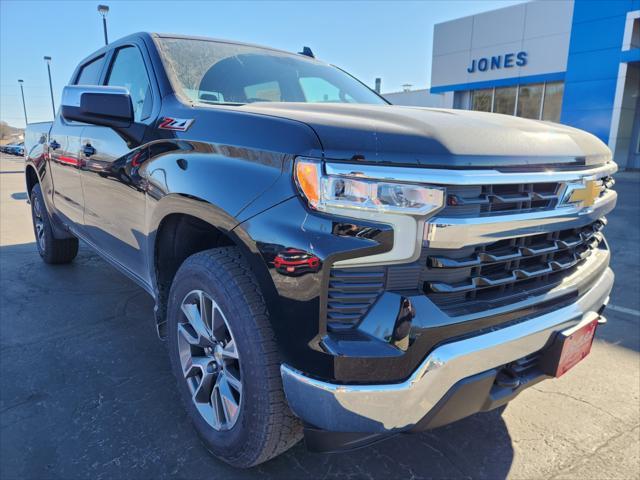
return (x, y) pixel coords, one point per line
(210, 360)
(38, 222)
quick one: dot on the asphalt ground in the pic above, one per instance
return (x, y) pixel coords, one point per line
(86, 390)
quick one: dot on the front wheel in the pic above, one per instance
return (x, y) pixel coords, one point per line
(224, 356)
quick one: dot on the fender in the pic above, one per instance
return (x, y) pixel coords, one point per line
(216, 217)
(213, 183)
(187, 205)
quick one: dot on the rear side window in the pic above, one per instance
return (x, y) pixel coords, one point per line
(318, 90)
(263, 92)
(128, 71)
(90, 72)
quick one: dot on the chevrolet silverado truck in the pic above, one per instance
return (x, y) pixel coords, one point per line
(323, 263)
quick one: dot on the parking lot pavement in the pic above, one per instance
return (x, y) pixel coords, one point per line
(86, 390)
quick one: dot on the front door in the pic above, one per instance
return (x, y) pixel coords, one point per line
(114, 212)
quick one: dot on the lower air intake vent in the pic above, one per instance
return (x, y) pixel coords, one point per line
(352, 292)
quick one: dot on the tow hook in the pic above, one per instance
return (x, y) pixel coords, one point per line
(507, 378)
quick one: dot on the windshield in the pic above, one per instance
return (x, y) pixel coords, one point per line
(213, 72)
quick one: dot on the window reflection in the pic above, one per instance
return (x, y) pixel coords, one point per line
(482, 100)
(552, 101)
(529, 101)
(505, 101)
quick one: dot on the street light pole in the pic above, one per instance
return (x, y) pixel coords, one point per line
(103, 10)
(53, 105)
(24, 107)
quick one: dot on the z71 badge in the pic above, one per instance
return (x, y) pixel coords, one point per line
(179, 124)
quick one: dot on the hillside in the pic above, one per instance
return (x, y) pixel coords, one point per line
(9, 133)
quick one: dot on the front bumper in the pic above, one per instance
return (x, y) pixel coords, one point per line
(400, 406)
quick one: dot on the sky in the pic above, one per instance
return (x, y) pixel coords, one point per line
(387, 39)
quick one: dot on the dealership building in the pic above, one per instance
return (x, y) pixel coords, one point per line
(573, 62)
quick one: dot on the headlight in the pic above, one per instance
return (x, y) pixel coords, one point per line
(324, 191)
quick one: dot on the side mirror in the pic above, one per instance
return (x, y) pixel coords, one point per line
(98, 105)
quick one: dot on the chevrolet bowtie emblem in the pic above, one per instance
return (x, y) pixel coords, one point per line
(585, 193)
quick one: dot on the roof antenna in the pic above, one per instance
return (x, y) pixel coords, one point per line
(307, 52)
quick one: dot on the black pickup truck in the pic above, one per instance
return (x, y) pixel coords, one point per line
(324, 263)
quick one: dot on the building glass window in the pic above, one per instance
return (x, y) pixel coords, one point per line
(482, 100)
(529, 101)
(552, 101)
(505, 100)
(524, 100)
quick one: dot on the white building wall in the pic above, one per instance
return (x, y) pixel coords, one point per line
(540, 28)
(416, 98)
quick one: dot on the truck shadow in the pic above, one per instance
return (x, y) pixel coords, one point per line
(476, 447)
(20, 196)
(108, 406)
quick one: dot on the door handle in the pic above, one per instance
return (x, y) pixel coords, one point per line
(54, 145)
(88, 150)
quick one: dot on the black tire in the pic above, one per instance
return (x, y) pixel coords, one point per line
(52, 250)
(264, 426)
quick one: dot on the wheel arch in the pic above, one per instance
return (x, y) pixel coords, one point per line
(31, 178)
(182, 226)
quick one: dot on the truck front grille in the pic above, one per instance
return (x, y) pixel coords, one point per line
(484, 200)
(466, 280)
(474, 278)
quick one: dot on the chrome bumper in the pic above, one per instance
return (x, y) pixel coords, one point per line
(396, 407)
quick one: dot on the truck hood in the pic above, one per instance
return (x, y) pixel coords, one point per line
(438, 137)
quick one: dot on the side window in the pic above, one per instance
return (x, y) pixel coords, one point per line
(128, 70)
(267, 91)
(319, 90)
(90, 72)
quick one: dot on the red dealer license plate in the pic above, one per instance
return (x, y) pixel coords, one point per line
(572, 346)
(576, 346)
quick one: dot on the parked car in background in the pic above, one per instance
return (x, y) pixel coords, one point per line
(324, 263)
(11, 148)
(14, 148)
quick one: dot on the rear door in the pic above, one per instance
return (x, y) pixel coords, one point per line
(65, 153)
(114, 192)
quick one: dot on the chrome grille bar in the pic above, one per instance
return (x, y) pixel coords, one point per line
(591, 232)
(499, 266)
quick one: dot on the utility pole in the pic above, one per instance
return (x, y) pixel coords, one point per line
(24, 107)
(53, 104)
(103, 10)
